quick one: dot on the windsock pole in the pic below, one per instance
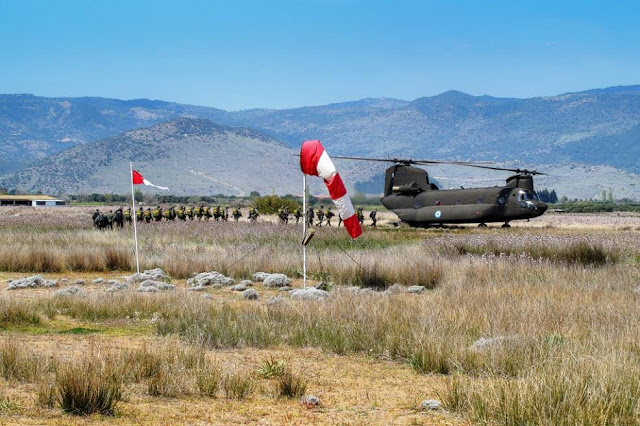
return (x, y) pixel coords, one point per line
(304, 230)
(133, 213)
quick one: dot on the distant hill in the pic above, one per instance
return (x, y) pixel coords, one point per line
(190, 156)
(598, 129)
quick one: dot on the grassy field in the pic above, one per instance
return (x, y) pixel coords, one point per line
(531, 325)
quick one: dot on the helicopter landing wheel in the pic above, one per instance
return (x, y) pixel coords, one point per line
(506, 225)
(482, 225)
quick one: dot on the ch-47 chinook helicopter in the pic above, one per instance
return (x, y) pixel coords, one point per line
(420, 203)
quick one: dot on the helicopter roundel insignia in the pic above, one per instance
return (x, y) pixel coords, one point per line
(438, 214)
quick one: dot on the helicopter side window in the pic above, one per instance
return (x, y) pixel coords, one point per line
(522, 196)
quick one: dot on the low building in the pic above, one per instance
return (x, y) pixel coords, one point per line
(30, 200)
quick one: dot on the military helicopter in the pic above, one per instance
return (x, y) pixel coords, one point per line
(420, 203)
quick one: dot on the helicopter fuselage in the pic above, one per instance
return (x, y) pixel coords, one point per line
(417, 202)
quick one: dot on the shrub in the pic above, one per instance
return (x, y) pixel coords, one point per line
(237, 385)
(271, 203)
(291, 385)
(92, 386)
(208, 380)
(272, 368)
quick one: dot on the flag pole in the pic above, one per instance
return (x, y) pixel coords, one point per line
(133, 213)
(304, 230)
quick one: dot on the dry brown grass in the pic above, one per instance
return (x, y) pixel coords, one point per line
(561, 299)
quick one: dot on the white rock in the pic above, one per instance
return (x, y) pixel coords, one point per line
(276, 280)
(431, 404)
(212, 279)
(415, 289)
(309, 293)
(98, 281)
(207, 296)
(310, 401)
(248, 283)
(158, 285)
(259, 276)
(148, 289)
(117, 287)
(80, 282)
(69, 291)
(239, 287)
(250, 294)
(33, 281)
(156, 274)
(277, 300)
(396, 288)
(285, 288)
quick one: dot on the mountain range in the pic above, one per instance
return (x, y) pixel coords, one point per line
(592, 134)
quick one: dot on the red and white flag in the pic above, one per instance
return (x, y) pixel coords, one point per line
(138, 179)
(315, 161)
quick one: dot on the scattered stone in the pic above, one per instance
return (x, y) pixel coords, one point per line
(80, 282)
(416, 289)
(210, 279)
(33, 281)
(285, 288)
(98, 281)
(117, 287)
(111, 282)
(310, 401)
(248, 283)
(431, 404)
(396, 288)
(310, 293)
(260, 276)
(277, 300)
(491, 342)
(69, 291)
(64, 280)
(196, 288)
(250, 294)
(148, 289)
(207, 296)
(239, 287)
(158, 285)
(156, 274)
(276, 280)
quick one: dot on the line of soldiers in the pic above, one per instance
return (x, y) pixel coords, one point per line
(120, 216)
(326, 214)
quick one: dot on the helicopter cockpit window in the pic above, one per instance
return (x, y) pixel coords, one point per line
(525, 195)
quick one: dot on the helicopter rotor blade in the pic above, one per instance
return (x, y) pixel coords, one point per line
(477, 164)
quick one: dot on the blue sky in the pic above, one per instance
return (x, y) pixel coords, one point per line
(278, 54)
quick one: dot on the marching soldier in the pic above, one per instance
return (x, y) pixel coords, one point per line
(189, 212)
(127, 215)
(95, 216)
(147, 215)
(310, 216)
(109, 218)
(206, 214)
(339, 220)
(180, 213)
(198, 211)
(140, 215)
(253, 214)
(372, 216)
(237, 214)
(225, 217)
(360, 215)
(329, 214)
(157, 214)
(297, 214)
(320, 215)
(217, 213)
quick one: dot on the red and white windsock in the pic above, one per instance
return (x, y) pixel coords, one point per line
(315, 161)
(138, 179)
